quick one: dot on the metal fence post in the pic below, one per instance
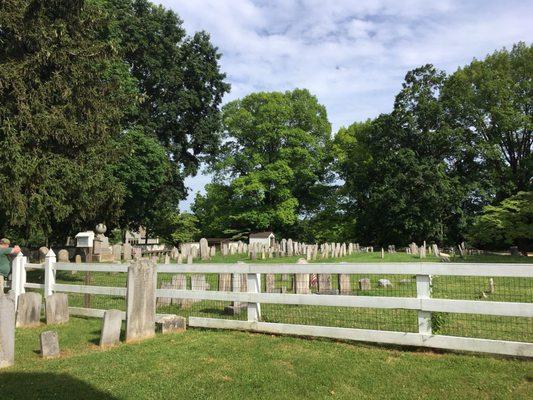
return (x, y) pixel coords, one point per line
(423, 291)
(49, 273)
(254, 286)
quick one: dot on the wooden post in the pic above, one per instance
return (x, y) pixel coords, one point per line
(254, 286)
(18, 276)
(49, 273)
(423, 291)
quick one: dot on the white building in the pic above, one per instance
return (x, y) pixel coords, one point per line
(264, 238)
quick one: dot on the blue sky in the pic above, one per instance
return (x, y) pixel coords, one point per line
(353, 55)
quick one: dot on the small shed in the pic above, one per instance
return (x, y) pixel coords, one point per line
(266, 238)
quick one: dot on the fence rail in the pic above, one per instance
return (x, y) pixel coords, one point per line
(422, 305)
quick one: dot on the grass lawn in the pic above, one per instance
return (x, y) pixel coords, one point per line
(210, 364)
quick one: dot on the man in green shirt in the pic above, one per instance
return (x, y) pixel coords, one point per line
(5, 264)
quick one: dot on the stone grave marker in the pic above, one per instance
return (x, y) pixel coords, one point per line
(384, 283)
(270, 281)
(62, 256)
(141, 300)
(345, 284)
(7, 330)
(111, 326)
(324, 283)
(364, 284)
(224, 282)
(127, 252)
(165, 301)
(117, 252)
(49, 344)
(29, 309)
(56, 309)
(171, 324)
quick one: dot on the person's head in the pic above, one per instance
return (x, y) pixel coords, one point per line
(4, 243)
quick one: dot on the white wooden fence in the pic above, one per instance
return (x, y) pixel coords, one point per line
(423, 303)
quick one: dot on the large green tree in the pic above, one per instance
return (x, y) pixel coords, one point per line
(491, 102)
(64, 90)
(273, 161)
(399, 169)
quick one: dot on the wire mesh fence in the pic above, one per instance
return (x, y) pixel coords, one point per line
(501, 289)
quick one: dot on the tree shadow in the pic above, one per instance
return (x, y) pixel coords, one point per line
(21, 386)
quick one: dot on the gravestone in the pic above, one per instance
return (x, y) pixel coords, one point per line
(165, 301)
(117, 252)
(198, 282)
(42, 253)
(224, 282)
(204, 249)
(49, 344)
(29, 309)
(236, 286)
(127, 251)
(384, 283)
(77, 259)
(405, 281)
(56, 308)
(364, 284)
(213, 251)
(111, 327)
(290, 248)
(101, 249)
(7, 330)
(344, 284)
(141, 300)
(435, 249)
(167, 258)
(171, 324)
(62, 256)
(179, 282)
(270, 281)
(324, 283)
(301, 281)
(137, 253)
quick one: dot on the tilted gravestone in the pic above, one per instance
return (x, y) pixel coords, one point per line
(49, 344)
(111, 327)
(364, 284)
(141, 300)
(29, 309)
(7, 330)
(56, 308)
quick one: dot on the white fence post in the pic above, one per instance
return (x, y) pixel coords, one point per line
(423, 291)
(18, 276)
(254, 286)
(49, 273)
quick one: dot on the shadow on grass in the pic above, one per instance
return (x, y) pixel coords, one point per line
(21, 386)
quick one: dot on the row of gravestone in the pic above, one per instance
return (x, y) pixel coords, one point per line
(28, 314)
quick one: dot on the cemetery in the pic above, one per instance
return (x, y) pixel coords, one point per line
(254, 199)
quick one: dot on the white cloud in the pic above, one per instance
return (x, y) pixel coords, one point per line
(352, 55)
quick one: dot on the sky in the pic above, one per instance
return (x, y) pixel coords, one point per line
(352, 55)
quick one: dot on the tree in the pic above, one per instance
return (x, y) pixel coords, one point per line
(64, 91)
(273, 160)
(399, 169)
(509, 223)
(491, 102)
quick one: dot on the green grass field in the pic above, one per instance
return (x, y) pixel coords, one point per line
(218, 364)
(211, 364)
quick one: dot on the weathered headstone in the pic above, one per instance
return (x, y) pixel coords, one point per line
(213, 251)
(236, 286)
(204, 249)
(165, 301)
(141, 300)
(270, 282)
(224, 282)
(111, 327)
(42, 253)
(491, 286)
(179, 282)
(172, 324)
(384, 283)
(117, 252)
(49, 344)
(324, 283)
(290, 248)
(344, 284)
(29, 309)
(77, 259)
(167, 258)
(7, 330)
(56, 308)
(364, 284)
(301, 281)
(127, 252)
(62, 256)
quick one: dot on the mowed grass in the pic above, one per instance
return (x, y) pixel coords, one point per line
(211, 364)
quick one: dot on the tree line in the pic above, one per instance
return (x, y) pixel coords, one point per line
(108, 105)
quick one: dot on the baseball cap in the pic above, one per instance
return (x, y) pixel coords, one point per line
(5, 241)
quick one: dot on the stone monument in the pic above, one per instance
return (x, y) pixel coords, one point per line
(101, 249)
